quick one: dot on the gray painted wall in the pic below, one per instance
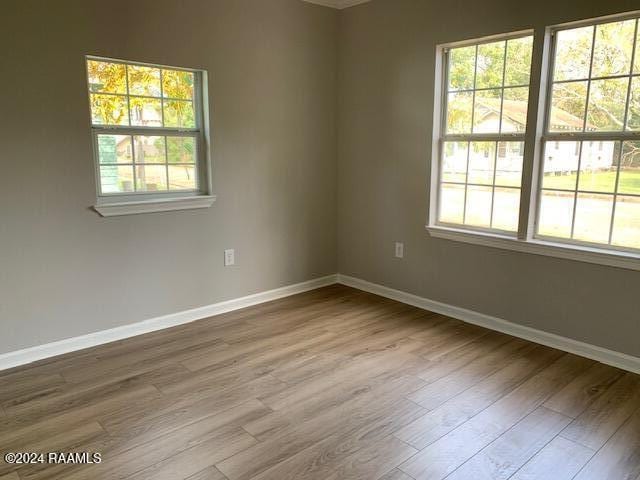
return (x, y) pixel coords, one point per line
(386, 80)
(65, 271)
(286, 77)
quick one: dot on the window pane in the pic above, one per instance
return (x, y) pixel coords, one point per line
(177, 84)
(633, 119)
(181, 149)
(490, 65)
(506, 209)
(115, 149)
(629, 181)
(514, 109)
(486, 113)
(478, 212)
(459, 108)
(509, 164)
(607, 100)
(568, 103)
(561, 165)
(599, 166)
(179, 113)
(116, 178)
(613, 48)
(481, 163)
(107, 77)
(145, 112)
(109, 110)
(151, 178)
(149, 149)
(451, 203)
(573, 53)
(626, 225)
(182, 177)
(462, 62)
(518, 68)
(593, 218)
(144, 80)
(454, 163)
(556, 213)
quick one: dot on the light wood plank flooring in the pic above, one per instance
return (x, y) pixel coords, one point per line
(330, 384)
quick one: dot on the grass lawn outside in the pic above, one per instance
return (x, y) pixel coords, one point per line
(596, 181)
(593, 211)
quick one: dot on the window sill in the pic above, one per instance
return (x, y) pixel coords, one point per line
(114, 209)
(629, 261)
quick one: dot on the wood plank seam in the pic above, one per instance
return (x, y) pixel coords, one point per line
(323, 385)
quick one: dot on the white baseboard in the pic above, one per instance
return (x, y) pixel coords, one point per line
(40, 352)
(609, 357)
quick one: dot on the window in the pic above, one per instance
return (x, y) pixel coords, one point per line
(148, 131)
(486, 100)
(590, 185)
(581, 162)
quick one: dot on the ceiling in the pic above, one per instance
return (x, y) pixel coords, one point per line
(339, 4)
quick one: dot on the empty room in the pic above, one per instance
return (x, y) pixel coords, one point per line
(320, 239)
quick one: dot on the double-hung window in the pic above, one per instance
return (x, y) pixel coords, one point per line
(590, 179)
(482, 140)
(579, 159)
(149, 136)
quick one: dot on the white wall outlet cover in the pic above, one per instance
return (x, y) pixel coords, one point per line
(229, 257)
(399, 250)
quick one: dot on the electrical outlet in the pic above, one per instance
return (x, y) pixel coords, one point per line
(399, 250)
(229, 257)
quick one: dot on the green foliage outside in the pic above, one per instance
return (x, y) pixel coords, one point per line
(612, 55)
(181, 149)
(486, 63)
(612, 52)
(172, 92)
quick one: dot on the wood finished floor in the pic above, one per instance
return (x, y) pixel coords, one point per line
(331, 384)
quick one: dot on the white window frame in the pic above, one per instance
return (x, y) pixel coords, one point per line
(114, 204)
(526, 239)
